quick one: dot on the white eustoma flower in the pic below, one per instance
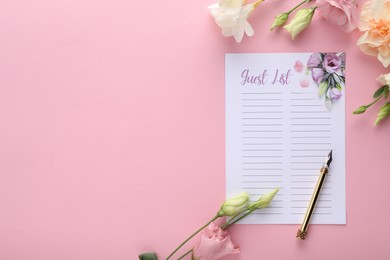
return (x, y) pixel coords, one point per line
(384, 79)
(232, 15)
(234, 205)
(300, 21)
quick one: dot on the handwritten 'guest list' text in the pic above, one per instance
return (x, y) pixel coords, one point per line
(284, 113)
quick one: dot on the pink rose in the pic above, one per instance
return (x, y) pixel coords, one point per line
(214, 243)
(343, 13)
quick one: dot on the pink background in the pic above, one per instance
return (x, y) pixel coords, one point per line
(112, 132)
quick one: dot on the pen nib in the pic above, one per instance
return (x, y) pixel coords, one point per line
(329, 158)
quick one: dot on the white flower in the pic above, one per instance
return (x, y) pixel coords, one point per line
(384, 79)
(232, 15)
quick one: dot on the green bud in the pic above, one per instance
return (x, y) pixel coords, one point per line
(148, 256)
(360, 110)
(263, 201)
(234, 205)
(300, 21)
(383, 113)
(279, 20)
(322, 88)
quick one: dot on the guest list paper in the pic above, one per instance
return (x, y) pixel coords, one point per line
(284, 113)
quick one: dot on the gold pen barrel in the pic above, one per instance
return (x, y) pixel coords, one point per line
(302, 232)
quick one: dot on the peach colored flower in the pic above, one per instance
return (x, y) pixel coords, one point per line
(214, 244)
(343, 13)
(375, 23)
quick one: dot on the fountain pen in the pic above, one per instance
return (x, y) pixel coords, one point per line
(302, 232)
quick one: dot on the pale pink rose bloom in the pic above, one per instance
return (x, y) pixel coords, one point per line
(343, 13)
(214, 243)
(298, 67)
(375, 23)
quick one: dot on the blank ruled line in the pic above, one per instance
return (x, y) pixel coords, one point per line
(310, 194)
(267, 213)
(262, 163)
(261, 99)
(304, 93)
(310, 143)
(306, 105)
(259, 156)
(312, 124)
(309, 112)
(275, 181)
(306, 162)
(262, 169)
(262, 175)
(319, 200)
(303, 175)
(303, 99)
(259, 188)
(262, 112)
(275, 124)
(296, 137)
(262, 118)
(262, 156)
(308, 150)
(261, 106)
(305, 156)
(269, 143)
(310, 117)
(261, 131)
(310, 131)
(263, 137)
(305, 181)
(262, 150)
(302, 169)
(261, 93)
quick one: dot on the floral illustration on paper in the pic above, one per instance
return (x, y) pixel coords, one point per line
(328, 72)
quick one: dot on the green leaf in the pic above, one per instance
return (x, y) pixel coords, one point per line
(360, 110)
(338, 86)
(386, 91)
(383, 113)
(380, 91)
(322, 88)
(148, 256)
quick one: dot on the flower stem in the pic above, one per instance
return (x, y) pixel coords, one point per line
(235, 220)
(189, 251)
(196, 232)
(257, 3)
(376, 100)
(303, 2)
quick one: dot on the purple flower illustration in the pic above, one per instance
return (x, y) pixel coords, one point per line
(332, 62)
(334, 94)
(327, 71)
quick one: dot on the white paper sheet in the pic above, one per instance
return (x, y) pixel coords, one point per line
(279, 132)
